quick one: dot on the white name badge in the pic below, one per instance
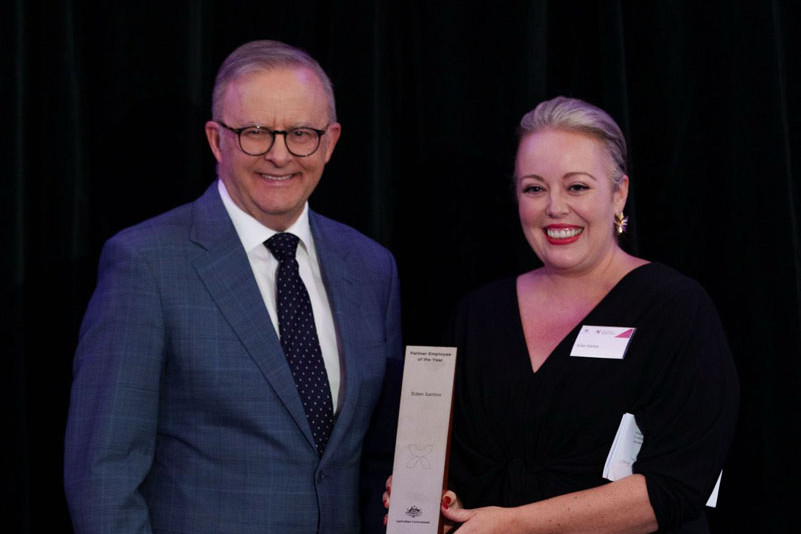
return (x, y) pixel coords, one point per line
(602, 342)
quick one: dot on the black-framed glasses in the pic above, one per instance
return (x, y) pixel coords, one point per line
(258, 140)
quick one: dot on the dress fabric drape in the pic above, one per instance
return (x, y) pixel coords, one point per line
(521, 436)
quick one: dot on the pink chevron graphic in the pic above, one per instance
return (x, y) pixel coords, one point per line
(626, 334)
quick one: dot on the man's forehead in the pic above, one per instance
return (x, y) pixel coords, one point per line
(279, 76)
(267, 92)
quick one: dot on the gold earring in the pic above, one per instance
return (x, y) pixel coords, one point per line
(621, 222)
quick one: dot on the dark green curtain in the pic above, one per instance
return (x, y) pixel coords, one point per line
(105, 104)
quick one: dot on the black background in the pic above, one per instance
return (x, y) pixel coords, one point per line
(104, 104)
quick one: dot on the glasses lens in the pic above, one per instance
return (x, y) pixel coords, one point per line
(302, 141)
(255, 141)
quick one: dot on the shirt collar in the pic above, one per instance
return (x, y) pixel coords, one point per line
(253, 234)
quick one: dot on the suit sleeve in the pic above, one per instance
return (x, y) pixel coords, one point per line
(112, 419)
(379, 444)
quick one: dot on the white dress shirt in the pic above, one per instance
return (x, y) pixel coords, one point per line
(253, 234)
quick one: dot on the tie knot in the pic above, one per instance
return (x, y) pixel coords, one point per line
(283, 246)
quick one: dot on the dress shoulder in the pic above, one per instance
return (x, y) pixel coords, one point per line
(659, 279)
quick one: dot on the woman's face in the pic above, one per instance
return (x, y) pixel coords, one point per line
(566, 199)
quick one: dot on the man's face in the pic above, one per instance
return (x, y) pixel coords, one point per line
(274, 187)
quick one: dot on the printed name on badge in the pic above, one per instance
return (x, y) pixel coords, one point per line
(609, 342)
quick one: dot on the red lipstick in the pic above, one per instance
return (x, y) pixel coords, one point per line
(562, 234)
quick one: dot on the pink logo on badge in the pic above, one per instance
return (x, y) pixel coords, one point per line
(627, 334)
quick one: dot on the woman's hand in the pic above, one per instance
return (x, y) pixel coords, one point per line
(449, 502)
(487, 520)
(387, 491)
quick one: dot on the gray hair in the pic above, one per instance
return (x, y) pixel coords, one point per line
(258, 56)
(572, 114)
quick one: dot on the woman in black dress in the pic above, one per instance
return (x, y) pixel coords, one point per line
(549, 362)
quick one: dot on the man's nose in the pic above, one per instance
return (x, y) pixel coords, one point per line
(279, 153)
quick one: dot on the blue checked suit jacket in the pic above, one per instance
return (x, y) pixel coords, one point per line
(184, 417)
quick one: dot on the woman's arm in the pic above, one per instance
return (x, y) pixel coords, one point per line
(618, 507)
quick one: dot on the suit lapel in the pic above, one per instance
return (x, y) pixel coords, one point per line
(225, 271)
(333, 253)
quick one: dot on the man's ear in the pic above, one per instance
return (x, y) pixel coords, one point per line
(213, 137)
(333, 133)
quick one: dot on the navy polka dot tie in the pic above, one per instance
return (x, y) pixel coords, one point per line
(299, 339)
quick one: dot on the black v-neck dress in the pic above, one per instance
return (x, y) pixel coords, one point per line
(521, 436)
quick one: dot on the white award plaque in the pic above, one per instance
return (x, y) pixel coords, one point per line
(421, 445)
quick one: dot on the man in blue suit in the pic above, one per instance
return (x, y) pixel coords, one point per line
(184, 415)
